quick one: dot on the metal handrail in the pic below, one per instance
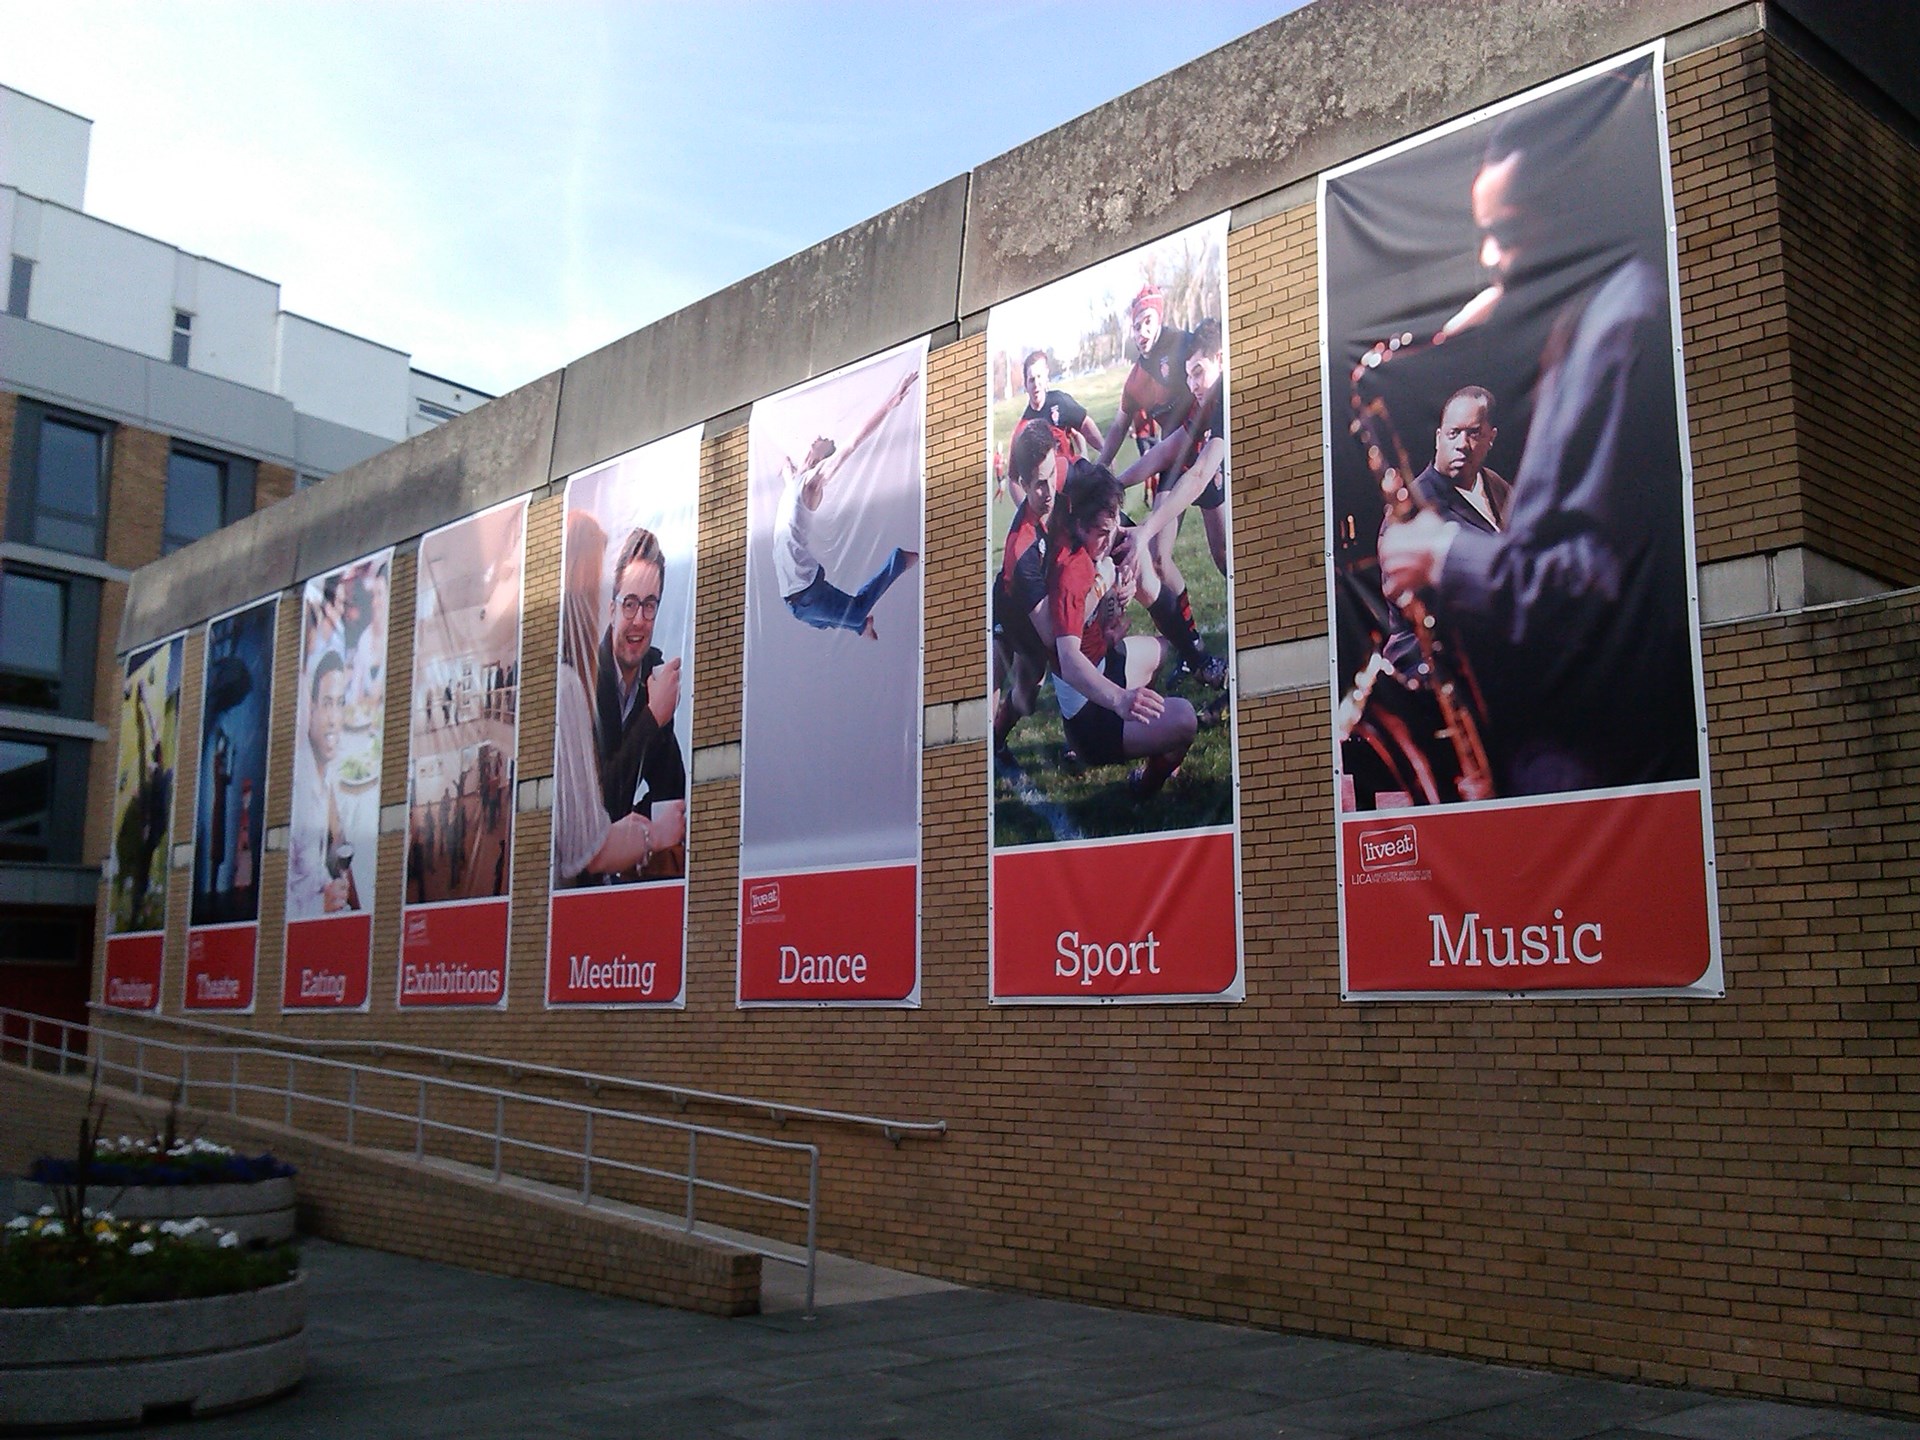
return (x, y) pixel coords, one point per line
(422, 1123)
(780, 1113)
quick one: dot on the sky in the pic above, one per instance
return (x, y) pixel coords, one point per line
(500, 188)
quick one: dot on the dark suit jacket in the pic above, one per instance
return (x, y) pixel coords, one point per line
(636, 747)
(1437, 493)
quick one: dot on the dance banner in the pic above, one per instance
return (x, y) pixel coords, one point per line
(229, 813)
(142, 826)
(457, 897)
(1114, 857)
(830, 735)
(617, 917)
(1520, 753)
(340, 717)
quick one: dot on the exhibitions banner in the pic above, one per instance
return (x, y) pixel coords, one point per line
(464, 723)
(1520, 754)
(230, 809)
(830, 736)
(623, 718)
(142, 826)
(340, 716)
(1114, 861)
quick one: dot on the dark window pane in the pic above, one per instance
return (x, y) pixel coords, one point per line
(20, 286)
(33, 616)
(26, 782)
(182, 346)
(69, 473)
(195, 498)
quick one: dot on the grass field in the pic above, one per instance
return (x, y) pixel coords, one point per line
(1053, 803)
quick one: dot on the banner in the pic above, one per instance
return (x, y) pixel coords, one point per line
(830, 735)
(142, 826)
(617, 917)
(230, 808)
(1114, 864)
(1519, 746)
(340, 717)
(456, 899)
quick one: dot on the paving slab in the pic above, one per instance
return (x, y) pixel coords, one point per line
(407, 1348)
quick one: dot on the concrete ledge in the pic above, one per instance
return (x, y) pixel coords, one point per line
(118, 1364)
(257, 1211)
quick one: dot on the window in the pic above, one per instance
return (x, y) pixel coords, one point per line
(48, 624)
(19, 286)
(182, 336)
(59, 492)
(26, 798)
(43, 800)
(204, 491)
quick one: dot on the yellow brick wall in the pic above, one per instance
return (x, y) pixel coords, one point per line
(1708, 1193)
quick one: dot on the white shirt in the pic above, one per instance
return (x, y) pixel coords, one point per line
(794, 564)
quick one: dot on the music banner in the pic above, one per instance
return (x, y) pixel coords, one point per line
(832, 686)
(340, 716)
(229, 815)
(617, 916)
(1520, 757)
(464, 730)
(142, 826)
(1114, 869)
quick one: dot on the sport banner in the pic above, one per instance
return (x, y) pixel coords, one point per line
(142, 826)
(1520, 756)
(830, 736)
(230, 808)
(623, 718)
(456, 902)
(340, 717)
(1115, 857)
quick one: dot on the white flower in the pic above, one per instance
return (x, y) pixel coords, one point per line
(140, 1247)
(19, 1222)
(53, 1227)
(44, 1210)
(228, 1239)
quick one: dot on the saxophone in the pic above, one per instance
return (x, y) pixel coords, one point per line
(1445, 673)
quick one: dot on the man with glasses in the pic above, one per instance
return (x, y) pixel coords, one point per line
(641, 768)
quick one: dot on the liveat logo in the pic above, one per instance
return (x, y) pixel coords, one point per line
(1395, 848)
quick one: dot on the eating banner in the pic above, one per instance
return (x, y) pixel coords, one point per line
(831, 724)
(617, 916)
(230, 808)
(340, 716)
(1520, 759)
(464, 724)
(1114, 858)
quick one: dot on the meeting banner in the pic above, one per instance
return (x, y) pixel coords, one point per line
(456, 899)
(1114, 856)
(623, 724)
(230, 809)
(1519, 748)
(830, 734)
(340, 716)
(142, 842)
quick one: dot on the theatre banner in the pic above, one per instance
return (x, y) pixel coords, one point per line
(830, 736)
(142, 826)
(456, 901)
(230, 808)
(1520, 757)
(340, 716)
(623, 727)
(1114, 858)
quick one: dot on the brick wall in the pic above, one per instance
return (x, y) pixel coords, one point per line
(1709, 1193)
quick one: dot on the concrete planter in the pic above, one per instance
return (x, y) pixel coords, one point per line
(257, 1211)
(120, 1364)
